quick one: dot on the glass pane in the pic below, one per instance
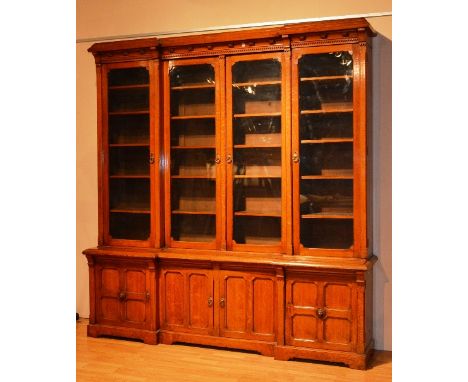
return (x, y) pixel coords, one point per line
(327, 233)
(128, 76)
(130, 226)
(257, 230)
(194, 228)
(127, 100)
(326, 150)
(129, 145)
(129, 160)
(193, 153)
(256, 129)
(257, 196)
(334, 159)
(129, 129)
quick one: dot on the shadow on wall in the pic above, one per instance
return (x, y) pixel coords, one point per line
(382, 159)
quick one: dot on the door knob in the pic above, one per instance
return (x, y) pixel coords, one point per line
(222, 302)
(321, 313)
(122, 296)
(210, 301)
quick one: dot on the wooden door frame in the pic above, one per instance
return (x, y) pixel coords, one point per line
(359, 169)
(219, 133)
(282, 247)
(104, 153)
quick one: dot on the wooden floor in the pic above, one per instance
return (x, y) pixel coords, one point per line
(105, 359)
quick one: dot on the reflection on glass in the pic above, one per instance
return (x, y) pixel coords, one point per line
(194, 228)
(257, 196)
(129, 176)
(326, 150)
(193, 169)
(257, 230)
(256, 107)
(129, 160)
(129, 195)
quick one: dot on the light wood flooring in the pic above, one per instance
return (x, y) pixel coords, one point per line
(105, 359)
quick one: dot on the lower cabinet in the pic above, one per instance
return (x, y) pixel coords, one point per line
(235, 308)
(281, 311)
(124, 298)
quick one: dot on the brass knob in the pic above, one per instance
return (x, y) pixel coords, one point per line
(229, 158)
(321, 313)
(218, 159)
(151, 158)
(122, 296)
(210, 301)
(222, 302)
(295, 157)
(147, 296)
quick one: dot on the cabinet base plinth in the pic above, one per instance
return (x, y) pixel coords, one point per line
(264, 348)
(148, 337)
(353, 360)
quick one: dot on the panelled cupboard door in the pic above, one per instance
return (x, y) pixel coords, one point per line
(108, 289)
(319, 314)
(257, 157)
(329, 151)
(247, 305)
(127, 153)
(122, 295)
(194, 202)
(187, 300)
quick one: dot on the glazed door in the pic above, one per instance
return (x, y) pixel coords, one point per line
(319, 313)
(247, 305)
(187, 300)
(123, 295)
(128, 154)
(193, 146)
(257, 99)
(328, 152)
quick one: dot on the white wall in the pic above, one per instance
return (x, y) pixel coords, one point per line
(103, 18)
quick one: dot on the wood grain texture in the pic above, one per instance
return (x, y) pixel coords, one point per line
(260, 294)
(105, 359)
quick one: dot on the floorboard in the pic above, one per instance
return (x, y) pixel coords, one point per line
(107, 359)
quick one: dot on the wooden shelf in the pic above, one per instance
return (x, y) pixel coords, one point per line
(257, 83)
(131, 210)
(124, 176)
(326, 111)
(251, 115)
(264, 146)
(328, 215)
(344, 176)
(179, 212)
(325, 78)
(256, 176)
(193, 177)
(132, 112)
(258, 214)
(193, 147)
(194, 87)
(182, 117)
(129, 144)
(326, 140)
(125, 87)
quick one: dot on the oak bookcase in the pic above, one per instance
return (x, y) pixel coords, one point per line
(235, 194)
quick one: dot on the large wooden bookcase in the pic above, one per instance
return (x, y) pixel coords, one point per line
(235, 195)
